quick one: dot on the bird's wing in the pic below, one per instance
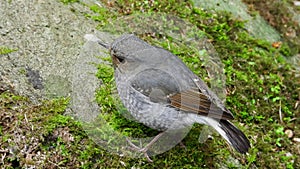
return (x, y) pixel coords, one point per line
(161, 87)
(155, 84)
(194, 101)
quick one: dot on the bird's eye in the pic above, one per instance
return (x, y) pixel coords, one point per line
(121, 60)
(118, 60)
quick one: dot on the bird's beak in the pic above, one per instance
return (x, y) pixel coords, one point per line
(93, 38)
(107, 46)
(115, 60)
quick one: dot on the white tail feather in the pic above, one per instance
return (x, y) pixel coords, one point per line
(213, 123)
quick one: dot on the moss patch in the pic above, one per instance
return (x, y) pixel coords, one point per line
(5, 50)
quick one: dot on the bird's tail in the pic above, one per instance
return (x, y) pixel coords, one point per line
(235, 137)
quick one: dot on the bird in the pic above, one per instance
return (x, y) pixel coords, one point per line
(161, 92)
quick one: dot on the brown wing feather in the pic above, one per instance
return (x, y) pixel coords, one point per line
(196, 102)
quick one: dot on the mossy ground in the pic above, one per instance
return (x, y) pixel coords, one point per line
(261, 88)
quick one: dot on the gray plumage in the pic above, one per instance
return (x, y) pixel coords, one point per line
(161, 92)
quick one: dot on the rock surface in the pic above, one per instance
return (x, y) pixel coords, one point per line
(48, 37)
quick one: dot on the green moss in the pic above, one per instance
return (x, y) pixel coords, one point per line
(5, 50)
(69, 1)
(56, 140)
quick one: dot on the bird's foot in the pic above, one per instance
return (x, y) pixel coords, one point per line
(142, 150)
(146, 148)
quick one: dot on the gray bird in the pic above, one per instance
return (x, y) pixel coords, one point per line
(161, 92)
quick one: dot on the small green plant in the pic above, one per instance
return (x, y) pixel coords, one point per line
(5, 50)
(69, 1)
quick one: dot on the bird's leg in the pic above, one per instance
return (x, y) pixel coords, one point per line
(145, 149)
